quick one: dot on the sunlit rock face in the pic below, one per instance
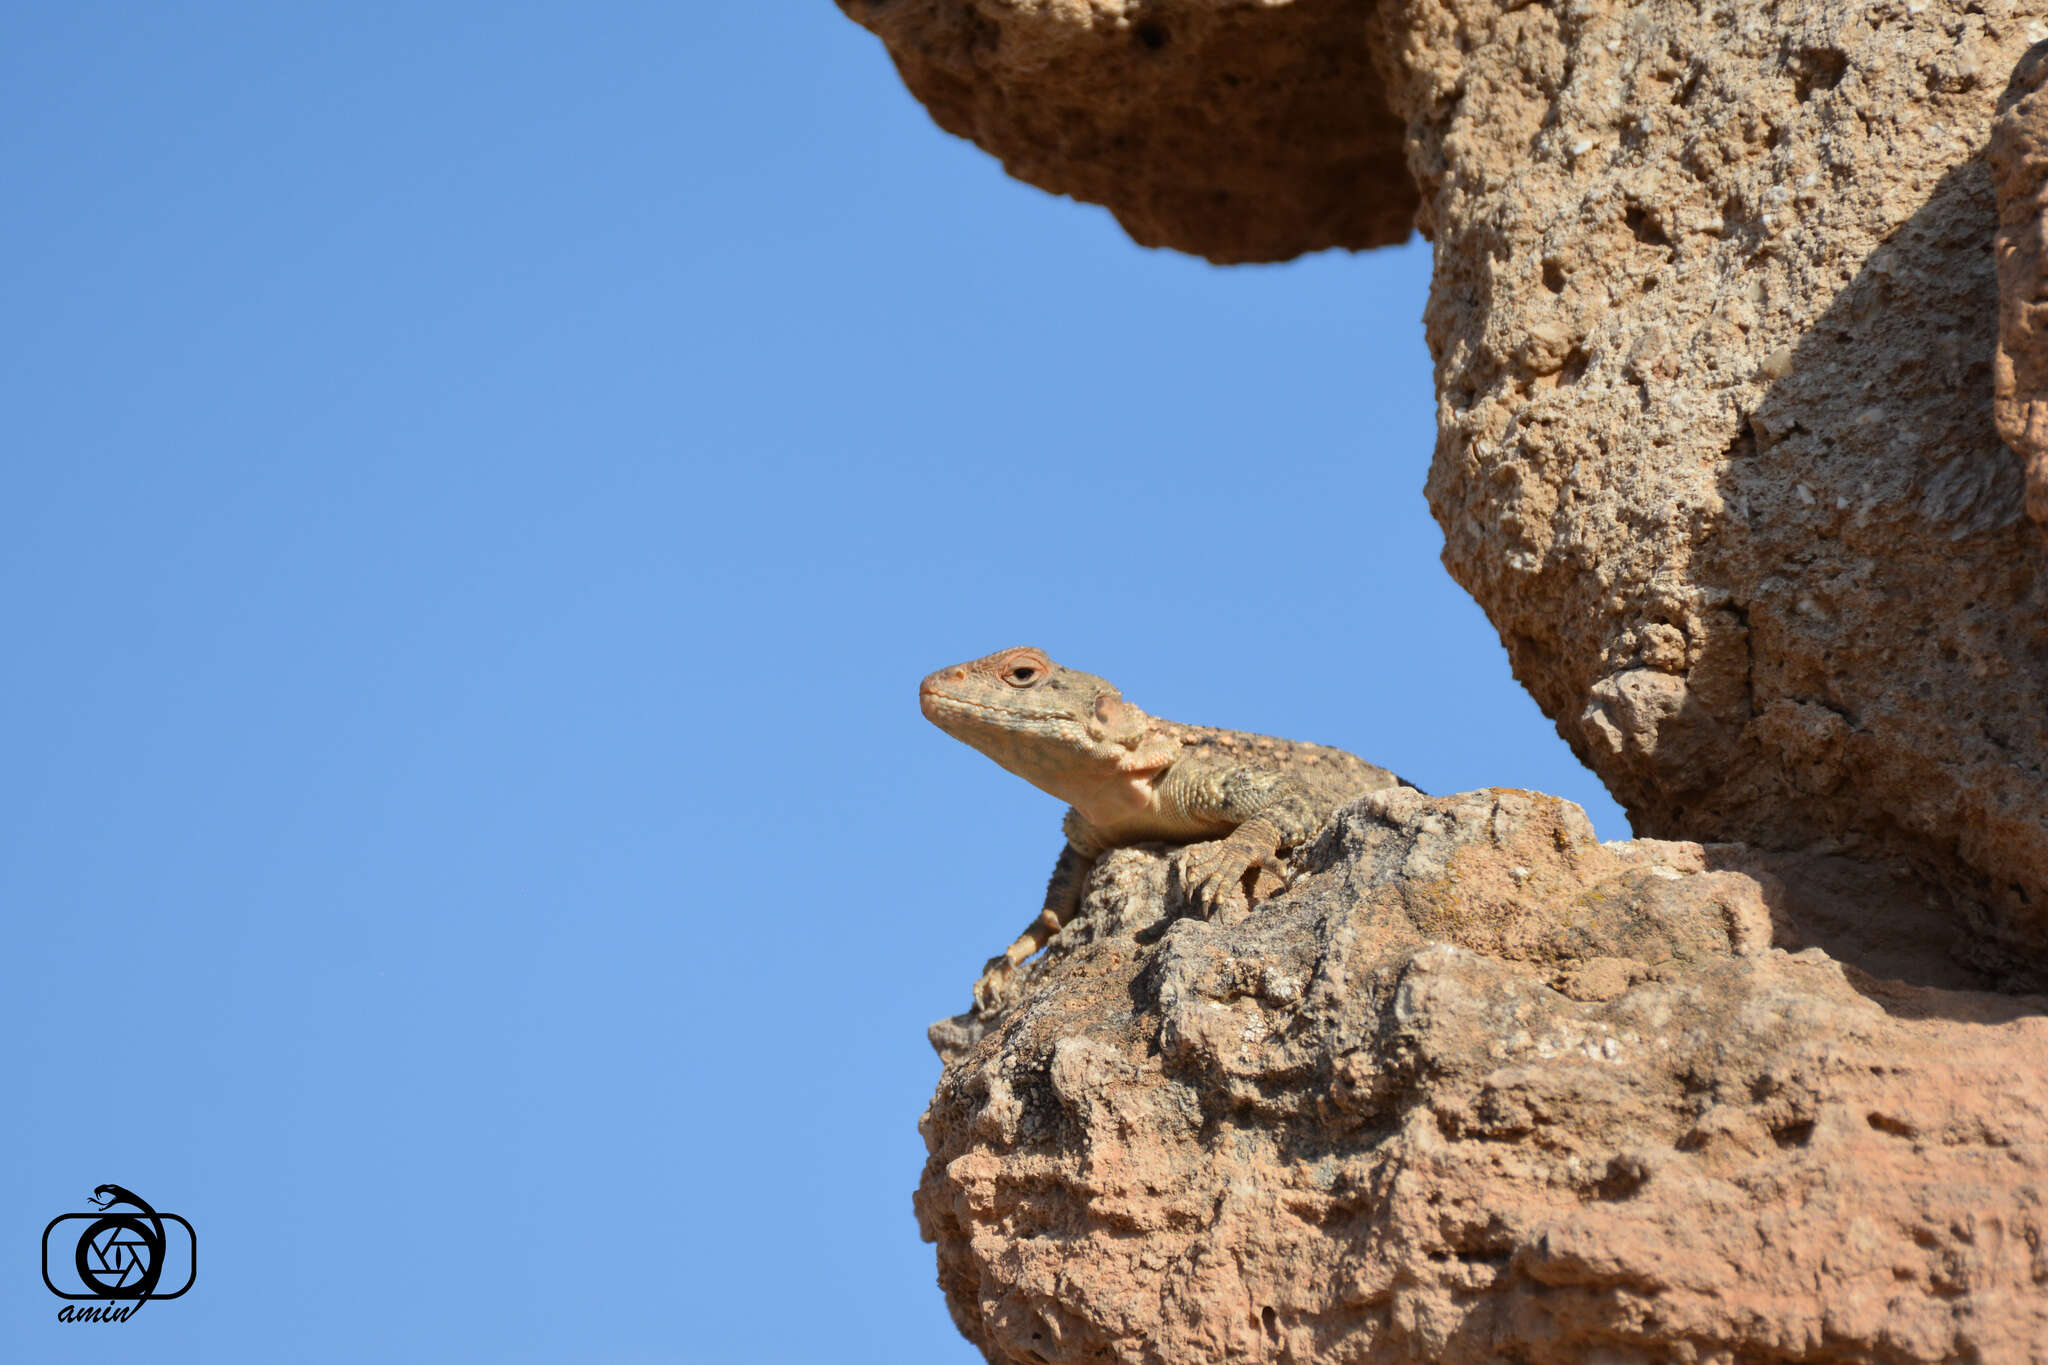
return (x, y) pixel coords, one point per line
(1478, 1088)
(1714, 315)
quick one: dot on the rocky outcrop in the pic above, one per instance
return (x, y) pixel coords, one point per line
(1239, 130)
(1477, 1088)
(1714, 317)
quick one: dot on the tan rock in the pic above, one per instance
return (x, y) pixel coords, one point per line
(1478, 1088)
(1756, 545)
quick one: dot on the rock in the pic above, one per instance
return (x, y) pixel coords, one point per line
(1478, 1088)
(1239, 130)
(1713, 316)
(2019, 170)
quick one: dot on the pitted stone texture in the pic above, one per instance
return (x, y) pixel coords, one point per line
(2019, 170)
(1239, 130)
(1480, 1089)
(1713, 317)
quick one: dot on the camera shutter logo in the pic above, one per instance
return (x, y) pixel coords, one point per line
(118, 1258)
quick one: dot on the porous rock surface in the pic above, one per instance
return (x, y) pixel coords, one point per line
(2019, 172)
(1714, 317)
(1477, 1088)
(1239, 130)
(1714, 313)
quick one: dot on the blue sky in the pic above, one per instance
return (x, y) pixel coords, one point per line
(482, 485)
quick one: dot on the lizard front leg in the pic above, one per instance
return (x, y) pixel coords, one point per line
(1271, 813)
(1062, 899)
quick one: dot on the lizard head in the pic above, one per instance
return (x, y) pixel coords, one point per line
(1061, 730)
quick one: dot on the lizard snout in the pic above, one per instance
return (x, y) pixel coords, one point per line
(934, 683)
(933, 688)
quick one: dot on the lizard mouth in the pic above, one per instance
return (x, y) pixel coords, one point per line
(940, 701)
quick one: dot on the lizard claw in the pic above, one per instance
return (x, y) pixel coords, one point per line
(1222, 879)
(993, 984)
(1212, 879)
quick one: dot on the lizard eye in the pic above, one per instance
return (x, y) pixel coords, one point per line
(1025, 668)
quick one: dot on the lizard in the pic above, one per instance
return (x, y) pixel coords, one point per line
(1239, 801)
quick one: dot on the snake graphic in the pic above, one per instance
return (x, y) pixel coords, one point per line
(130, 1231)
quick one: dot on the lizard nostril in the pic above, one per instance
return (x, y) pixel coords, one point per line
(959, 675)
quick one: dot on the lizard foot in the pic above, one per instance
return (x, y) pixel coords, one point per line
(1222, 879)
(993, 986)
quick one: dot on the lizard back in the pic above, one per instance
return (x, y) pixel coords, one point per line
(1334, 775)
